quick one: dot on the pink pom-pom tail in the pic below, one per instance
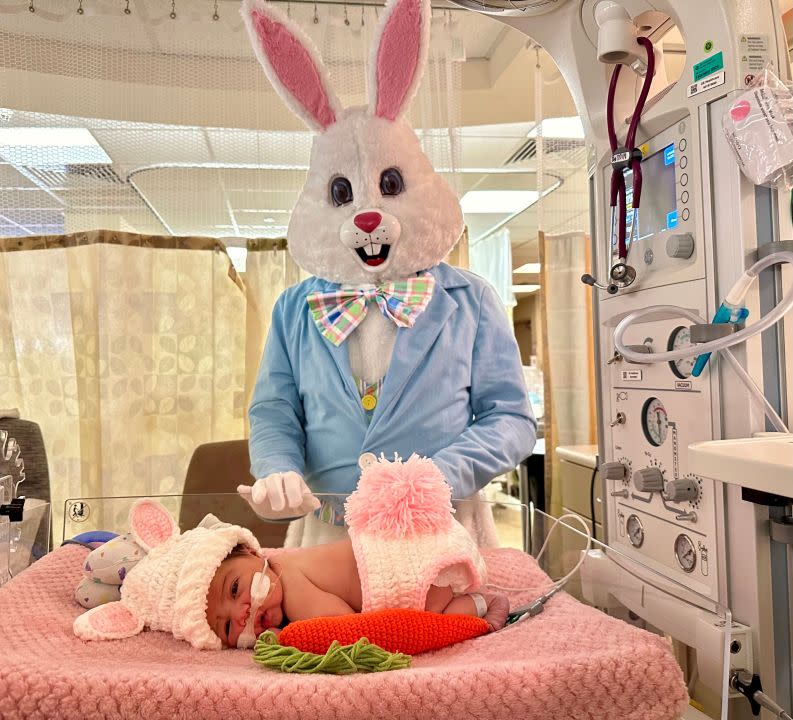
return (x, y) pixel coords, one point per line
(401, 499)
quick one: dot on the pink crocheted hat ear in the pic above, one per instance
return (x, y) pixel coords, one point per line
(399, 55)
(291, 64)
(150, 524)
(112, 621)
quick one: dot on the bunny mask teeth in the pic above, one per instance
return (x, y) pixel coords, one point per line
(373, 254)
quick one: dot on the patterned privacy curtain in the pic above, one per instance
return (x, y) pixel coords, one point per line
(127, 350)
(568, 365)
(269, 271)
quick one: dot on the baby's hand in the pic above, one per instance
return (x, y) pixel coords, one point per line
(279, 496)
(497, 611)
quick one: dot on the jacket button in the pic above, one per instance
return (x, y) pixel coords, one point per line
(366, 460)
(369, 402)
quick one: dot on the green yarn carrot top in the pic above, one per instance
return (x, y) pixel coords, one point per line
(339, 659)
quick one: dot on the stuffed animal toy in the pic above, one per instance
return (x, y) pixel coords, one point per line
(386, 349)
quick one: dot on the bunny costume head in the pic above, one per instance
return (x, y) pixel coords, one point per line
(372, 209)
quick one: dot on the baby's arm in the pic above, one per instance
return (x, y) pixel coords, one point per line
(307, 601)
(443, 600)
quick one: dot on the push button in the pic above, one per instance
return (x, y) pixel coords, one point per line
(366, 460)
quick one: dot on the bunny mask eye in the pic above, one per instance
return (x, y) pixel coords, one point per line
(391, 182)
(340, 191)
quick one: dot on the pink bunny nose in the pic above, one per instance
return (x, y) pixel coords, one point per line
(368, 221)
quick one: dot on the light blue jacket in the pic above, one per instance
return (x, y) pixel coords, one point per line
(454, 392)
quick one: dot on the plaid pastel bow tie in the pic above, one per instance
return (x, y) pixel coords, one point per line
(338, 313)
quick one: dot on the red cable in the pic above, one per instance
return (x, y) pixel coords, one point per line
(636, 165)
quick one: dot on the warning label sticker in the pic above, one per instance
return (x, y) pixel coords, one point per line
(753, 51)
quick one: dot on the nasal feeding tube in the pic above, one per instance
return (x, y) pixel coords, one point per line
(260, 589)
(734, 298)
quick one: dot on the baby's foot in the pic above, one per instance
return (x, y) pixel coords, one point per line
(497, 611)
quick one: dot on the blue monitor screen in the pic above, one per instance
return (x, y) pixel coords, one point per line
(658, 211)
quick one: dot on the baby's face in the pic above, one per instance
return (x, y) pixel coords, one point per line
(229, 599)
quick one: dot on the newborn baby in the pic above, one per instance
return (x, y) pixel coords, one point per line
(307, 583)
(213, 587)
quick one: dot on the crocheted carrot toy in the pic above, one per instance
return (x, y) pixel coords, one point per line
(369, 642)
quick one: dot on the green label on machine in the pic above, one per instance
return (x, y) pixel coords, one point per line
(708, 66)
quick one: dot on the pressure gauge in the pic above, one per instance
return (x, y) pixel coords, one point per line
(635, 530)
(680, 338)
(686, 553)
(654, 421)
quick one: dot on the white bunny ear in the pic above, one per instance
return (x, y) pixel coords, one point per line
(398, 57)
(150, 524)
(212, 522)
(112, 621)
(291, 64)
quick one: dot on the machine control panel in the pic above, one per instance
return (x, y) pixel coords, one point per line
(659, 511)
(665, 242)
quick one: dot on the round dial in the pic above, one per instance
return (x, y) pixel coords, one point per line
(680, 338)
(654, 421)
(635, 530)
(686, 553)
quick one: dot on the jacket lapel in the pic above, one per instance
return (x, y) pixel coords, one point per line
(340, 353)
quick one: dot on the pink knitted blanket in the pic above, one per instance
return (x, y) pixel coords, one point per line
(569, 662)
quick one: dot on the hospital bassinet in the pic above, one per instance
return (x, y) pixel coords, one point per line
(571, 661)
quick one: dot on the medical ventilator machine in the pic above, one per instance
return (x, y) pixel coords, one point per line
(687, 250)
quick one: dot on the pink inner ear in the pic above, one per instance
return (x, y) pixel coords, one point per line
(295, 68)
(113, 619)
(398, 57)
(152, 524)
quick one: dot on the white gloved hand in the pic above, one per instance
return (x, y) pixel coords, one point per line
(279, 496)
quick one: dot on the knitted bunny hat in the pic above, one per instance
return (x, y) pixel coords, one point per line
(167, 589)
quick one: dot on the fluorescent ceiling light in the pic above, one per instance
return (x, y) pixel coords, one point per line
(524, 289)
(497, 202)
(560, 128)
(48, 147)
(527, 268)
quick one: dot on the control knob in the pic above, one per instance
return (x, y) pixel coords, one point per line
(649, 479)
(683, 489)
(680, 246)
(613, 471)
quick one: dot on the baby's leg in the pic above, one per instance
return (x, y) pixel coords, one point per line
(443, 600)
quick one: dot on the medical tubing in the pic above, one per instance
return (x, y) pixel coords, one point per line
(610, 107)
(557, 584)
(769, 319)
(694, 350)
(645, 91)
(618, 190)
(636, 163)
(744, 376)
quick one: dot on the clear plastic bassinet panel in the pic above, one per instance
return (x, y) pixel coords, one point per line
(705, 640)
(22, 539)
